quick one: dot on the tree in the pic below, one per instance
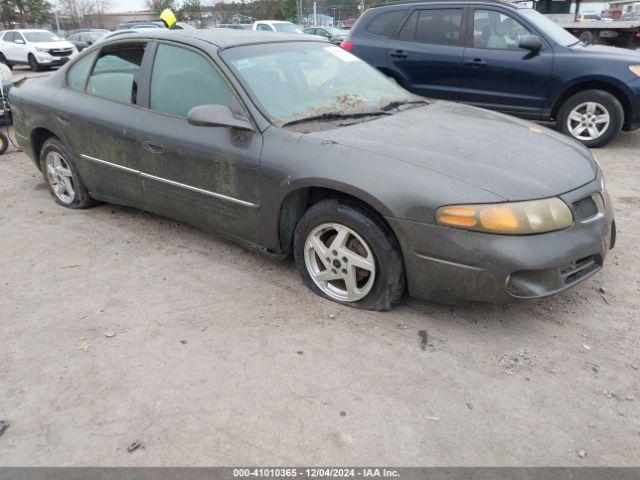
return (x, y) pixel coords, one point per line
(191, 11)
(77, 10)
(157, 6)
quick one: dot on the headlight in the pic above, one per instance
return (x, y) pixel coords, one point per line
(512, 218)
(43, 50)
(635, 69)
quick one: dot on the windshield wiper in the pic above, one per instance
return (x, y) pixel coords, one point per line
(396, 104)
(335, 116)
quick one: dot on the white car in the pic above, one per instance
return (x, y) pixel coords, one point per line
(39, 49)
(275, 26)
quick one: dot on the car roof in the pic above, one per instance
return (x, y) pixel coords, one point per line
(412, 3)
(28, 30)
(221, 37)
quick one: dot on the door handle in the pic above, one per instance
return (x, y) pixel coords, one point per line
(399, 54)
(476, 63)
(153, 146)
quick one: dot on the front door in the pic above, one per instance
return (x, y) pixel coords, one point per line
(499, 75)
(428, 52)
(206, 176)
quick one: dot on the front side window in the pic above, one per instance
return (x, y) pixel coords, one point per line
(9, 36)
(386, 23)
(439, 27)
(296, 80)
(183, 79)
(115, 72)
(496, 31)
(79, 71)
(264, 27)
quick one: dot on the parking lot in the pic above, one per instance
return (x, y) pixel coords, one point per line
(121, 327)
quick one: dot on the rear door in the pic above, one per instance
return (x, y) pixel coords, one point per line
(428, 52)
(498, 74)
(206, 176)
(102, 120)
(8, 45)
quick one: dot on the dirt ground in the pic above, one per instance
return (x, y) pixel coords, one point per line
(119, 326)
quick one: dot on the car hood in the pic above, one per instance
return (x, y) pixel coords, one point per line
(512, 158)
(607, 52)
(57, 45)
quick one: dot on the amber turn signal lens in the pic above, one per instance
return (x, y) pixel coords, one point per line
(635, 69)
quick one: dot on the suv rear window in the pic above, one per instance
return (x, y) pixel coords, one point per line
(386, 23)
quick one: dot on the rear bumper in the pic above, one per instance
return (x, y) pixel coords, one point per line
(445, 264)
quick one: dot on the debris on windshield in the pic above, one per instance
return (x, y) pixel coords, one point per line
(3, 426)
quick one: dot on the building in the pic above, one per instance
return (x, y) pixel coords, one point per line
(625, 6)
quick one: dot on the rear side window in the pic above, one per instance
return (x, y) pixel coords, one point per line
(115, 72)
(183, 79)
(436, 27)
(78, 73)
(386, 23)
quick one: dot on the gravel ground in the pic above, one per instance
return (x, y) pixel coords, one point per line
(119, 326)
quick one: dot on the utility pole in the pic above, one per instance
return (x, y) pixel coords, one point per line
(315, 15)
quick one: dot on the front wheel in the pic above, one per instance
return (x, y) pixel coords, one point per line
(593, 117)
(347, 254)
(33, 63)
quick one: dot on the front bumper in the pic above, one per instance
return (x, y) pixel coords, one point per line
(52, 61)
(445, 264)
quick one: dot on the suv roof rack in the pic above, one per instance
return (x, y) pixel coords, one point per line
(506, 3)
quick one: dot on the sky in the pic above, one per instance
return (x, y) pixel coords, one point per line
(126, 5)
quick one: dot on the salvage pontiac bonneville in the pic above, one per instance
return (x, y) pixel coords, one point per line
(292, 145)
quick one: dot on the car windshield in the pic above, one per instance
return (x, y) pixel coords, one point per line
(549, 27)
(41, 37)
(285, 27)
(295, 81)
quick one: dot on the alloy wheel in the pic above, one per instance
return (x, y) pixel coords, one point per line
(588, 121)
(60, 177)
(340, 262)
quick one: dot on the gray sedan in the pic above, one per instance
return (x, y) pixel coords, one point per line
(293, 146)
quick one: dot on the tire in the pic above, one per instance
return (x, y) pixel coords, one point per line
(368, 239)
(578, 104)
(33, 63)
(4, 60)
(4, 143)
(74, 196)
(588, 38)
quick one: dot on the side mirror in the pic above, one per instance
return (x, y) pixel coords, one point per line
(530, 42)
(217, 116)
(20, 41)
(89, 42)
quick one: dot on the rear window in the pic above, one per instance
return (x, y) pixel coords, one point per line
(386, 23)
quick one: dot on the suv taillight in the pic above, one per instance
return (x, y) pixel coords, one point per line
(347, 45)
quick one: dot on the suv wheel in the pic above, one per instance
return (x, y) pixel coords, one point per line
(62, 177)
(346, 254)
(593, 117)
(4, 60)
(33, 63)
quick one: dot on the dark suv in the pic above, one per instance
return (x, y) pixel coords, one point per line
(504, 57)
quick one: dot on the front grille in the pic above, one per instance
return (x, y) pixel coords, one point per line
(585, 209)
(60, 52)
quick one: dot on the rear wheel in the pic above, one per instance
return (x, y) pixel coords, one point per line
(348, 255)
(4, 60)
(593, 117)
(62, 177)
(588, 38)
